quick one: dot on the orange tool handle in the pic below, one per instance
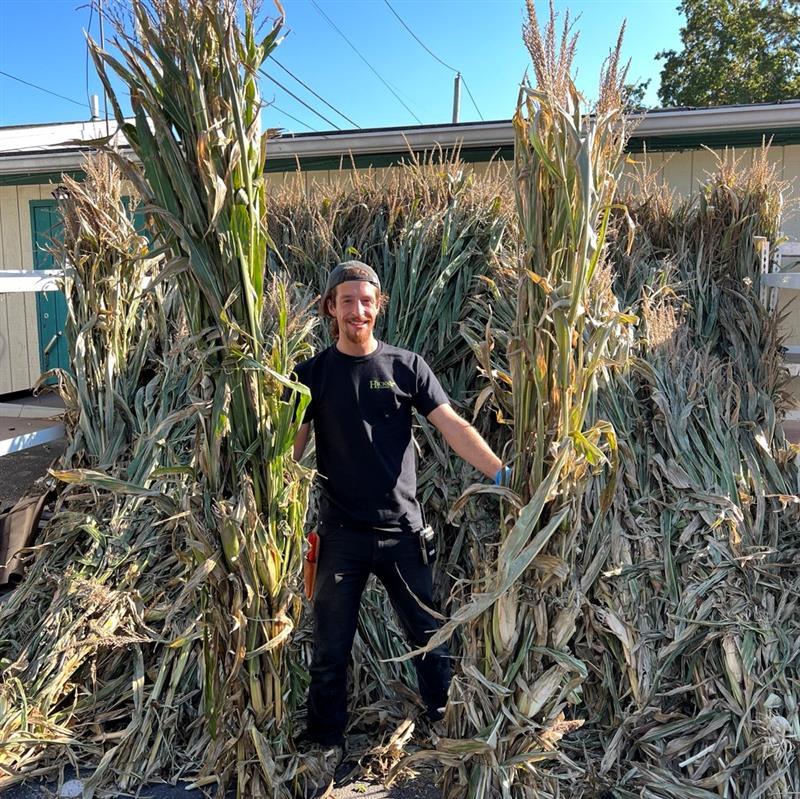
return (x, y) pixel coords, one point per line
(310, 564)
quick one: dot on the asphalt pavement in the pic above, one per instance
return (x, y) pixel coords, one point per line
(71, 788)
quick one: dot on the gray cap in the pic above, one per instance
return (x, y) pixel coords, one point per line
(352, 270)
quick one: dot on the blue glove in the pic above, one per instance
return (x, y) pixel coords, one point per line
(503, 476)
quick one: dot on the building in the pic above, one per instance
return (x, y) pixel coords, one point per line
(679, 142)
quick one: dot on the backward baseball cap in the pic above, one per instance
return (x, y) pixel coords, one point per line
(351, 270)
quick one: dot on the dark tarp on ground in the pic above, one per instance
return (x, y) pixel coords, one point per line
(18, 527)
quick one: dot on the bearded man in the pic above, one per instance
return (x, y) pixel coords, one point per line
(362, 395)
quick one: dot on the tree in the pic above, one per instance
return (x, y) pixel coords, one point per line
(634, 96)
(734, 51)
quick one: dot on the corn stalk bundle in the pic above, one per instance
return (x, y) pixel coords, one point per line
(78, 674)
(688, 633)
(211, 468)
(111, 329)
(518, 689)
(191, 69)
(693, 627)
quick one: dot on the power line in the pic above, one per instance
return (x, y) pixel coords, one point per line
(287, 114)
(41, 88)
(374, 71)
(419, 41)
(433, 55)
(333, 108)
(472, 98)
(299, 100)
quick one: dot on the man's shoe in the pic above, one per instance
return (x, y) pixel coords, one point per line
(321, 763)
(434, 714)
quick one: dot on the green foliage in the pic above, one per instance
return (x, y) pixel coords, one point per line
(634, 95)
(734, 51)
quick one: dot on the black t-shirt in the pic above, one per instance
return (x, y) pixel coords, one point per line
(361, 410)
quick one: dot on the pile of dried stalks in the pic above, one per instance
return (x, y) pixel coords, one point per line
(691, 626)
(628, 629)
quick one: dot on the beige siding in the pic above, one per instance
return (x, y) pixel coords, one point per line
(318, 178)
(19, 338)
(704, 162)
(791, 173)
(677, 172)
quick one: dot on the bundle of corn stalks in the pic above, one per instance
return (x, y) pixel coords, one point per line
(113, 328)
(518, 690)
(202, 153)
(77, 678)
(208, 488)
(692, 623)
(672, 642)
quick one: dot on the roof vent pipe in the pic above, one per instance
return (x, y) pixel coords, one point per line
(95, 107)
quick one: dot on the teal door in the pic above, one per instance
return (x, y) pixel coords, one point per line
(51, 307)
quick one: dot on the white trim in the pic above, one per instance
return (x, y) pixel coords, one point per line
(32, 410)
(28, 440)
(782, 280)
(15, 281)
(789, 249)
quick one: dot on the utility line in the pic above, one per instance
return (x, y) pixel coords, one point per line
(374, 71)
(433, 55)
(287, 114)
(419, 41)
(41, 88)
(472, 98)
(333, 108)
(299, 100)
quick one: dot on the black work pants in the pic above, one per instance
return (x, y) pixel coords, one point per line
(346, 559)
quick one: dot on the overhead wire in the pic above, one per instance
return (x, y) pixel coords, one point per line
(463, 80)
(287, 114)
(42, 88)
(299, 99)
(433, 55)
(419, 41)
(319, 97)
(372, 69)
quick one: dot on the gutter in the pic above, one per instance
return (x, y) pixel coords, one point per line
(680, 127)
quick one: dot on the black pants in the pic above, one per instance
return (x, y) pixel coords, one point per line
(346, 559)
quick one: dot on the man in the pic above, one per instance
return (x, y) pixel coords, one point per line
(362, 392)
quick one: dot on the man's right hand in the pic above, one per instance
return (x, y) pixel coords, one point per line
(300, 440)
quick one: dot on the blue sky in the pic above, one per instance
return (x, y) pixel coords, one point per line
(42, 41)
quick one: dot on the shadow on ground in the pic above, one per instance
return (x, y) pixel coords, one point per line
(19, 470)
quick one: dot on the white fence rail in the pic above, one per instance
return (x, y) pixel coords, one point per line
(19, 281)
(22, 280)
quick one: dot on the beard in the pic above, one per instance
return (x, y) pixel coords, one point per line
(360, 336)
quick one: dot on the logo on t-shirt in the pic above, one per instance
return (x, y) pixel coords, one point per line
(381, 384)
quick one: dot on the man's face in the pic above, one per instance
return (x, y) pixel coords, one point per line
(355, 308)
